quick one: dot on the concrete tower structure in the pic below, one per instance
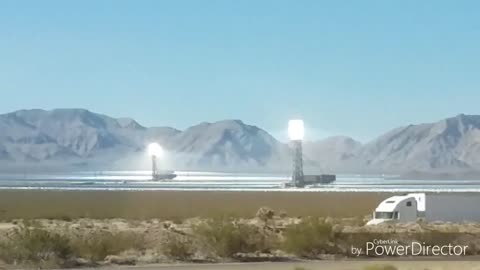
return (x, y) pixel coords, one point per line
(297, 176)
(296, 133)
(155, 151)
(154, 168)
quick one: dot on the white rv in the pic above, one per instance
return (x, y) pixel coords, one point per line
(430, 207)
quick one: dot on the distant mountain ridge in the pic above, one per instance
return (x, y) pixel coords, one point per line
(78, 137)
(447, 145)
(37, 135)
(333, 153)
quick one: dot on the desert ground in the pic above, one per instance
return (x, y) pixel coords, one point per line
(207, 230)
(181, 204)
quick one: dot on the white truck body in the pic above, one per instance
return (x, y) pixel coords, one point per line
(457, 208)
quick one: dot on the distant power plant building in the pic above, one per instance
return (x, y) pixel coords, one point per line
(156, 151)
(296, 132)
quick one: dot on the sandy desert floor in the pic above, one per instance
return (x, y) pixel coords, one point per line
(181, 204)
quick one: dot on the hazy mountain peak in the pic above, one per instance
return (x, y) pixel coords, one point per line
(23, 113)
(219, 126)
(70, 111)
(232, 124)
(230, 121)
(341, 138)
(467, 120)
(332, 152)
(129, 123)
(227, 143)
(225, 122)
(444, 145)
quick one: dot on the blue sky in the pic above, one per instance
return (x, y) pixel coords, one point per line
(356, 68)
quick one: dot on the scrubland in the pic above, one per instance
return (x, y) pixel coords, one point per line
(267, 237)
(90, 229)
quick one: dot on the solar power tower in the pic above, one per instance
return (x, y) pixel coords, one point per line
(296, 132)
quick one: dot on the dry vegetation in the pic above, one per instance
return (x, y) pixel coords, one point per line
(51, 243)
(152, 231)
(31, 244)
(309, 238)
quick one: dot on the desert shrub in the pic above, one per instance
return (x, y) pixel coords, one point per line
(31, 223)
(309, 238)
(98, 245)
(357, 221)
(227, 236)
(32, 245)
(434, 237)
(380, 267)
(61, 217)
(35, 246)
(178, 247)
(176, 220)
(267, 240)
(299, 268)
(283, 214)
(265, 214)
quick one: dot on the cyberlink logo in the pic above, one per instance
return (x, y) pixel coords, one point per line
(394, 248)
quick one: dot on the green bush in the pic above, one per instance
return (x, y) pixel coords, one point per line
(309, 238)
(227, 237)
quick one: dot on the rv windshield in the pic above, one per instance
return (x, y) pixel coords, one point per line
(383, 215)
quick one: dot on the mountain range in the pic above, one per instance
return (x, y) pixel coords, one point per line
(66, 138)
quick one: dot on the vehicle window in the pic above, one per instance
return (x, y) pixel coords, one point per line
(409, 204)
(384, 215)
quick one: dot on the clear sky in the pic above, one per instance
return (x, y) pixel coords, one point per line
(356, 68)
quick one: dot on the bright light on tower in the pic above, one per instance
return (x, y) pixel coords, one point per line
(296, 130)
(155, 150)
